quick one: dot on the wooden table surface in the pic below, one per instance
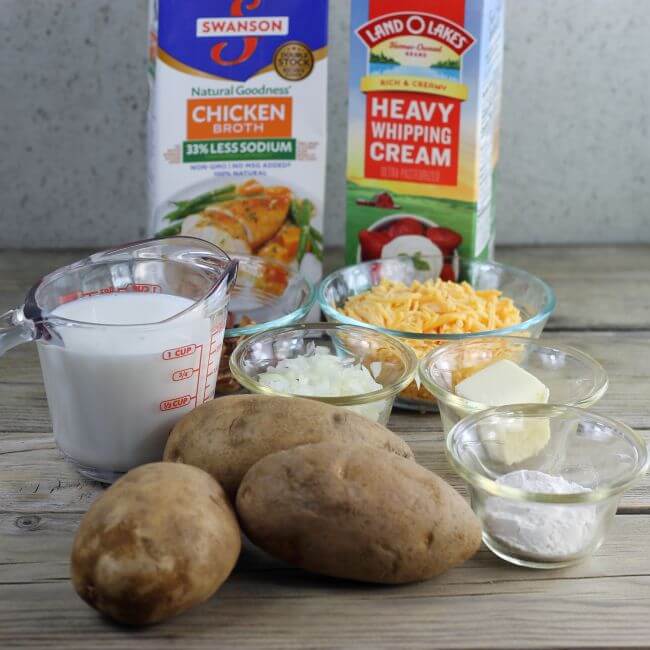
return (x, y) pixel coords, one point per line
(603, 308)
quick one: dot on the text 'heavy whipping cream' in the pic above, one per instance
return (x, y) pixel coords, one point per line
(425, 84)
(116, 387)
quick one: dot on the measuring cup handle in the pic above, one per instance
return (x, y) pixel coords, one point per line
(14, 330)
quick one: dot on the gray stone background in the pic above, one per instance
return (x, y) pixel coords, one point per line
(575, 150)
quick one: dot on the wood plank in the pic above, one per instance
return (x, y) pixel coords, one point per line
(268, 605)
(625, 359)
(21, 366)
(23, 408)
(585, 279)
(40, 480)
(33, 476)
(624, 356)
(485, 603)
(37, 479)
(20, 270)
(602, 288)
(578, 613)
(34, 547)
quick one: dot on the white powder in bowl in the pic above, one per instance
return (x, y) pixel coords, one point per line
(539, 530)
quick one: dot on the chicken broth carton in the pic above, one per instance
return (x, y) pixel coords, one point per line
(425, 85)
(237, 123)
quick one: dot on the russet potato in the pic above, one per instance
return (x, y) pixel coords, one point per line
(356, 512)
(163, 538)
(226, 436)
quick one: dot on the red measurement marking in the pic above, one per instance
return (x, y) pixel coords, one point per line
(103, 291)
(144, 288)
(179, 353)
(181, 375)
(175, 403)
(198, 379)
(68, 297)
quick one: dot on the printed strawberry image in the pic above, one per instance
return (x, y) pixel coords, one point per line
(405, 226)
(372, 242)
(445, 239)
(447, 273)
(383, 200)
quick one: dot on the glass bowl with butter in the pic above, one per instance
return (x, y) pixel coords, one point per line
(552, 507)
(472, 375)
(343, 365)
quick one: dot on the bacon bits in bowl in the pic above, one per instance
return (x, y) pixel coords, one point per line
(267, 294)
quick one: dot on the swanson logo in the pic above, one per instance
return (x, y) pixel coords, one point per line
(247, 28)
(399, 24)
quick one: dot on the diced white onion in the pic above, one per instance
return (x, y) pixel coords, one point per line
(322, 374)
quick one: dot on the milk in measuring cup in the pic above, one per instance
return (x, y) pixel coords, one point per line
(134, 382)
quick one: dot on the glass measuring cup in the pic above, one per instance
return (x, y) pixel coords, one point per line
(129, 341)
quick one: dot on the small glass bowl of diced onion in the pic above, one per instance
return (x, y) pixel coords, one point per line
(344, 365)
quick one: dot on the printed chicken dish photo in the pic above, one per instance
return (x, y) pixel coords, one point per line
(251, 219)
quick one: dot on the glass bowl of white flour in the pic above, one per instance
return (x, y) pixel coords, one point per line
(553, 508)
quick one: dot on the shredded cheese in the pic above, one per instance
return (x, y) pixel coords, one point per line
(432, 307)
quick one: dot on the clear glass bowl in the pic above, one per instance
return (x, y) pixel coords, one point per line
(267, 294)
(254, 355)
(541, 529)
(531, 295)
(572, 377)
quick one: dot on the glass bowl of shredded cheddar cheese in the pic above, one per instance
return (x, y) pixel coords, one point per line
(426, 304)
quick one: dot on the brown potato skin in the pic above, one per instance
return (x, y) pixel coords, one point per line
(355, 512)
(163, 538)
(226, 436)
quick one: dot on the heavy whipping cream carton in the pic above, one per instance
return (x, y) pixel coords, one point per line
(425, 86)
(237, 126)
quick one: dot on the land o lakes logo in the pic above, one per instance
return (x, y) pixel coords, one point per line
(248, 28)
(399, 24)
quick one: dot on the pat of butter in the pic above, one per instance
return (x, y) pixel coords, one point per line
(501, 384)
